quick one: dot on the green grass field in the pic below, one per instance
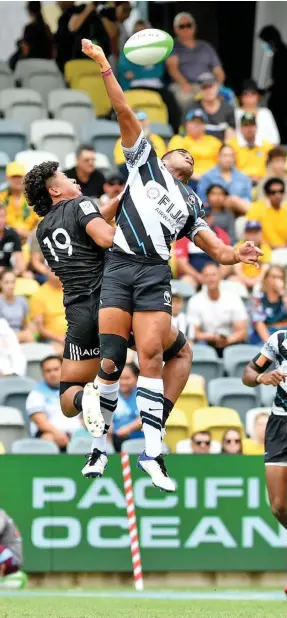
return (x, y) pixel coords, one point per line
(72, 607)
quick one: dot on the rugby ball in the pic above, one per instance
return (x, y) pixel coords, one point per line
(148, 46)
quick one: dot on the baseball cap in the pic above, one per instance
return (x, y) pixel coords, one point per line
(15, 169)
(253, 226)
(141, 115)
(249, 85)
(196, 113)
(206, 79)
(115, 179)
(248, 118)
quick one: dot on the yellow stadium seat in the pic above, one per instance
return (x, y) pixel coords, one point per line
(192, 397)
(76, 68)
(176, 429)
(216, 420)
(150, 102)
(95, 87)
(26, 287)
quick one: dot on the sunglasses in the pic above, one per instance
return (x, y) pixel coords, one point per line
(202, 442)
(274, 191)
(230, 440)
(183, 26)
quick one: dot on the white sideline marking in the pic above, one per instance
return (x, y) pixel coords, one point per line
(221, 595)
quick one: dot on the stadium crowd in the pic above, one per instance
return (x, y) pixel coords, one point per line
(240, 175)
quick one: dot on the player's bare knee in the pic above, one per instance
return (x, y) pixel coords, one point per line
(108, 365)
(279, 508)
(186, 353)
(151, 363)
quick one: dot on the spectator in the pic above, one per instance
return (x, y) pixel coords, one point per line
(277, 102)
(85, 23)
(18, 214)
(220, 114)
(204, 148)
(190, 58)
(85, 173)
(217, 199)
(272, 213)
(218, 316)
(47, 310)
(44, 409)
(247, 273)
(11, 552)
(156, 141)
(190, 259)
(199, 443)
(126, 419)
(38, 264)
(114, 18)
(250, 151)
(276, 167)
(149, 77)
(226, 174)
(37, 39)
(231, 442)
(178, 318)
(113, 186)
(269, 306)
(12, 359)
(250, 104)
(14, 308)
(10, 246)
(255, 444)
(64, 38)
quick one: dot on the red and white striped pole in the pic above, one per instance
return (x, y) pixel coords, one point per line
(133, 530)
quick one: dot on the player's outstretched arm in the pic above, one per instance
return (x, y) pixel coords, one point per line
(129, 125)
(225, 254)
(109, 210)
(101, 232)
(254, 373)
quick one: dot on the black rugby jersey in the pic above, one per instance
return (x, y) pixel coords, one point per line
(70, 252)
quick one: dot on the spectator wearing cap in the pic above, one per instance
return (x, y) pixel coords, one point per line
(276, 167)
(156, 141)
(204, 148)
(18, 214)
(190, 259)
(272, 213)
(85, 173)
(250, 150)
(220, 114)
(235, 182)
(189, 59)
(113, 186)
(250, 104)
(247, 273)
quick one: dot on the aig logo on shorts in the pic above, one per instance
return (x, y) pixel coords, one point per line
(167, 298)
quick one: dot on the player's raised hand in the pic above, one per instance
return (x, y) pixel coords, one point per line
(272, 378)
(249, 253)
(95, 52)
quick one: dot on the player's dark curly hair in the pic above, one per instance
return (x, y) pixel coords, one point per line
(35, 187)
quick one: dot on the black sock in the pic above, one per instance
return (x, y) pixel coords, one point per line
(167, 408)
(77, 401)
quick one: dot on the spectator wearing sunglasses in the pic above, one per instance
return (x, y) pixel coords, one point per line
(113, 186)
(232, 443)
(190, 58)
(272, 213)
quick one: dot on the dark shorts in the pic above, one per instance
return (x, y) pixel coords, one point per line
(82, 337)
(134, 285)
(276, 440)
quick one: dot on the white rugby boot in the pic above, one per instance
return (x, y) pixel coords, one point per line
(92, 415)
(96, 464)
(155, 467)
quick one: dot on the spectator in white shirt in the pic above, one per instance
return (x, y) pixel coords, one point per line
(250, 100)
(218, 316)
(12, 359)
(44, 409)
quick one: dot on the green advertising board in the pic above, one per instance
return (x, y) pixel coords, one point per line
(218, 519)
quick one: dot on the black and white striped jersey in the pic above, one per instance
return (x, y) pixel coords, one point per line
(275, 349)
(156, 208)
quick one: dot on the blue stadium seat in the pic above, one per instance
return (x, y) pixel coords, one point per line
(236, 357)
(231, 393)
(12, 138)
(102, 134)
(206, 362)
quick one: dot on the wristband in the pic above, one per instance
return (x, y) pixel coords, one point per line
(237, 259)
(105, 73)
(258, 378)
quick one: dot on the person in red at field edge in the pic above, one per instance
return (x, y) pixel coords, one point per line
(190, 259)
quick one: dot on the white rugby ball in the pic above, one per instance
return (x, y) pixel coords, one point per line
(148, 46)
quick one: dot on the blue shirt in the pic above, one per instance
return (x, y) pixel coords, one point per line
(240, 184)
(155, 71)
(126, 413)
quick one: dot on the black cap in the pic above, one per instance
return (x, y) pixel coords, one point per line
(206, 79)
(248, 118)
(115, 179)
(249, 85)
(253, 226)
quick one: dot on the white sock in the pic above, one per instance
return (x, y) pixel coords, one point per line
(108, 404)
(150, 407)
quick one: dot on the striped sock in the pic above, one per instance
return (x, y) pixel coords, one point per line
(150, 406)
(108, 404)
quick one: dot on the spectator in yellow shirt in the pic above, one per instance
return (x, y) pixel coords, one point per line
(156, 141)
(47, 311)
(272, 213)
(250, 151)
(247, 273)
(19, 215)
(204, 148)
